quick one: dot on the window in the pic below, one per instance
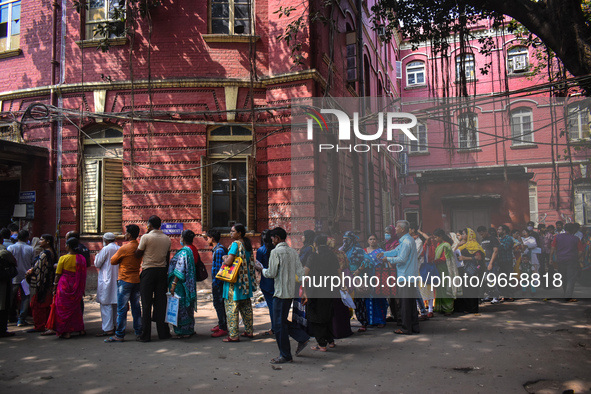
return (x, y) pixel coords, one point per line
(412, 216)
(415, 73)
(533, 202)
(578, 122)
(351, 56)
(468, 131)
(10, 25)
(230, 17)
(583, 204)
(517, 60)
(102, 180)
(420, 145)
(228, 187)
(100, 12)
(465, 63)
(522, 126)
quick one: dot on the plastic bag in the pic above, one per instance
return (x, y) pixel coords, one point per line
(347, 300)
(172, 309)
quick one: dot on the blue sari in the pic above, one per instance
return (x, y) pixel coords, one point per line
(377, 308)
(182, 266)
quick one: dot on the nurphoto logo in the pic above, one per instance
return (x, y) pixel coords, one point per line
(400, 121)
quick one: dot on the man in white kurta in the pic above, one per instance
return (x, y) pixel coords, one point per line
(106, 292)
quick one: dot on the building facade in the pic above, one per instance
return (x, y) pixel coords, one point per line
(509, 153)
(186, 116)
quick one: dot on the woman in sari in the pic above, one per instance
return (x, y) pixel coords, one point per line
(237, 295)
(377, 308)
(359, 263)
(182, 282)
(471, 256)
(298, 314)
(41, 277)
(70, 282)
(446, 264)
(341, 320)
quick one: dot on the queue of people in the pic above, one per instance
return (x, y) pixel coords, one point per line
(138, 276)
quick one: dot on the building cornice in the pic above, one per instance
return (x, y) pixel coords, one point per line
(167, 84)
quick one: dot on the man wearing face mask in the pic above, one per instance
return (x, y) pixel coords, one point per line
(535, 234)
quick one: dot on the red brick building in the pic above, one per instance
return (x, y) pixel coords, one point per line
(186, 117)
(507, 155)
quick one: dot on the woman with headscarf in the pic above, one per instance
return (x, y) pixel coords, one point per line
(341, 320)
(471, 255)
(390, 239)
(446, 265)
(359, 263)
(182, 281)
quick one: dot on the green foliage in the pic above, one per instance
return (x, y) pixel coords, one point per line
(292, 32)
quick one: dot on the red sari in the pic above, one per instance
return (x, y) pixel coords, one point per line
(66, 314)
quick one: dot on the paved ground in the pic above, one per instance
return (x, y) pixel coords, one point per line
(547, 344)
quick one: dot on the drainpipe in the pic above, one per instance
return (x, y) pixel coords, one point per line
(362, 82)
(52, 96)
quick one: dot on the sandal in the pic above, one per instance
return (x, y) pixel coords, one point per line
(247, 335)
(65, 336)
(83, 333)
(103, 334)
(573, 300)
(319, 348)
(180, 336)
(362, 329)
(332, 345)
(48, 332)
(381, 326)
(401, 332)
(114, 339)
(230, 339)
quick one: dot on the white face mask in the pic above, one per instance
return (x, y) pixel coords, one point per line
(530, 228)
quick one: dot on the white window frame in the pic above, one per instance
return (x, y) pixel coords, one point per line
(517, 60)
(533, 202)
(108, 17)
(582, 206)
(578, 122)
(231, 4)
(464, 120)
(414, 70)
(421, 144)
(13, 23)
(470, 66)
(521, 129)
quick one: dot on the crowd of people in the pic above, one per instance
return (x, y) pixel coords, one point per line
(138, 276)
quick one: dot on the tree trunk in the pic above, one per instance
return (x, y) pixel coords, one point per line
(560, 24)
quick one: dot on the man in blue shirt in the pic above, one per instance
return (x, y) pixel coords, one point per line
(217, 286)
(24, 256)
(406, 260)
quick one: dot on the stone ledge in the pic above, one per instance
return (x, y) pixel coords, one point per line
(10, 53)
(230, 38)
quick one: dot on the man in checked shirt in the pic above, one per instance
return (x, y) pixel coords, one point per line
(212, 237)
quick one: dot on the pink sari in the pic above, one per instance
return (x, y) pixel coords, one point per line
(66, 306)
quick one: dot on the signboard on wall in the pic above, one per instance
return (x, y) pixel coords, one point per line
(27, 197)
(172, 228)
